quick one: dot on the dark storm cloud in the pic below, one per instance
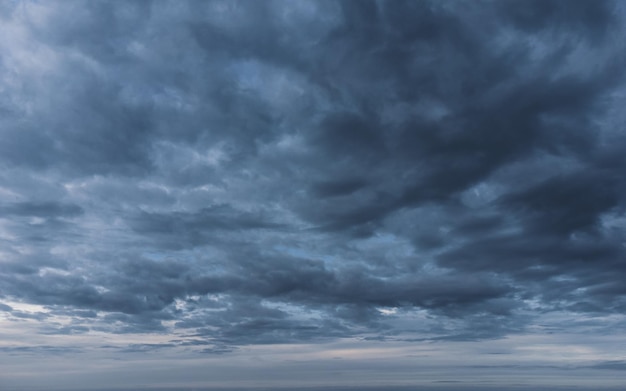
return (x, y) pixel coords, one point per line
(338, 187)
(266, 172)
(567, 203)
(592, 19)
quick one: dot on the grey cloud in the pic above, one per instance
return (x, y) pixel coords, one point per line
(53, 329)
(217, 350)
(593, 19)
(40, 349)
(133, 348)
(29, 315)
(338, 187)
(266, 172)
(44, 209)
(616, 365)
(566, 204)
(193, 228)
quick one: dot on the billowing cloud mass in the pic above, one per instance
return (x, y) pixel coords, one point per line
(230, 174)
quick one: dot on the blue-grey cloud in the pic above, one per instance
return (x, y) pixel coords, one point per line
(272, 172)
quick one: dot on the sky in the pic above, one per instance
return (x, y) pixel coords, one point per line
(405, 195)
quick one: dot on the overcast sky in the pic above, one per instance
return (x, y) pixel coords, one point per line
(312, 194)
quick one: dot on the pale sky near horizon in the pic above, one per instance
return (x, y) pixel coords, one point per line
(289, 193)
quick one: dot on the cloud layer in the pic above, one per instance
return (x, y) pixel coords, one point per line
(239, 173)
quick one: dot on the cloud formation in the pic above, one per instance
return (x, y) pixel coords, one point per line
(241, 173)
